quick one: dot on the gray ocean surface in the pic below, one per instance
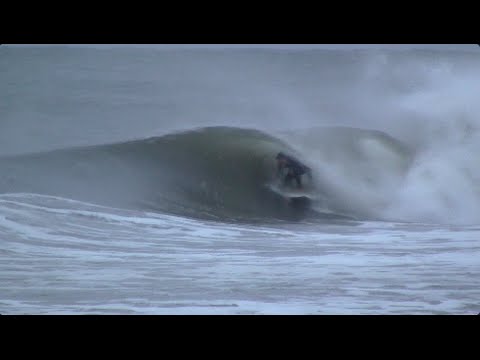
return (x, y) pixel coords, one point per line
(137, 179)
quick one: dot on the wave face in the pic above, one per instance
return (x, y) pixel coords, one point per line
(211, 172)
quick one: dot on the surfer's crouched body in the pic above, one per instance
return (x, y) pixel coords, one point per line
(295, 169)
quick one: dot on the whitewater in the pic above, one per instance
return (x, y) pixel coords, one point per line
(134, 180)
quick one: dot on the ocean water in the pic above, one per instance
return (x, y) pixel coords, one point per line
(136, 180)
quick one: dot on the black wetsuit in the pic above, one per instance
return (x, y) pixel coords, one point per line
(295, 170)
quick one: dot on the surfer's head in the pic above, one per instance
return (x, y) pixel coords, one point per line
(281, 158)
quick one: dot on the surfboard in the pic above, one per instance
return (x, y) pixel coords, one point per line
(290, 192)
(295, 197)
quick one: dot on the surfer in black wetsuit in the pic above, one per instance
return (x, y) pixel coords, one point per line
(295, 169)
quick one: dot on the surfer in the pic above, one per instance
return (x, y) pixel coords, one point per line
(295, 169)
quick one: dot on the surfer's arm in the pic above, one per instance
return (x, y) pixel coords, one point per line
(309, 173)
